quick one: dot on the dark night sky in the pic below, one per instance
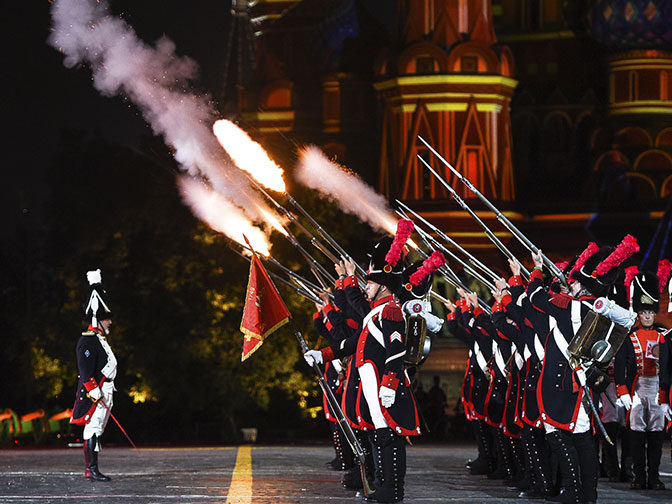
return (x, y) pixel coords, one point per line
(46, 99)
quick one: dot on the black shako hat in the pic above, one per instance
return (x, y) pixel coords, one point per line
(387, 257)
(645, 293)
(417, 278)
(602, 268)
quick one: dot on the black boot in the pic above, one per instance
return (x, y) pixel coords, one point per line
(654, 451)
(568, 464)
(352, 479)
(626, 457)
(336, 463)
(589, 461)
(610, 453)
(539, 463)
(392, 450)
(482, 465)
(376, 457)
(91, 459)
(504, 465)
(638, 453)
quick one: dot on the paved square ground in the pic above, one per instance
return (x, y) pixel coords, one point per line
(256, 474)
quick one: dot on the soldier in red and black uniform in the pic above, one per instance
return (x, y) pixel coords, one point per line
(566, 418)
(475, 384)
(331, 328)
(379, 354)
(97, 369)
(637, 384)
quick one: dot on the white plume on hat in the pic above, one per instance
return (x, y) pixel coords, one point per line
(94, 276)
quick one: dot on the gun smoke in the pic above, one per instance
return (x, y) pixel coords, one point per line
(158, 82)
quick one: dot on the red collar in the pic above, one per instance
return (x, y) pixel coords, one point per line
(96, 329)
(383, 300)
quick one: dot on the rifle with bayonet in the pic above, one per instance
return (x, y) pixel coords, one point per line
(557, 272)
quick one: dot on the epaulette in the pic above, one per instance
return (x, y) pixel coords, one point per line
(560, 300)
(392, 311)
(89, 333)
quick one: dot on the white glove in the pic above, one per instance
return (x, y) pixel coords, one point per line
(667, 412)
(95, 394)
(387, 396)
(313, 357)
(626, 401)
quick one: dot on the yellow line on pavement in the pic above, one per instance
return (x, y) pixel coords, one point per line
(240, 491)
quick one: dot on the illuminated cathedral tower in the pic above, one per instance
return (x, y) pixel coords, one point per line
(449, 81)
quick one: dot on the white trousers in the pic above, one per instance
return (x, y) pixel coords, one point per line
(646, 415)
(100, 415)
(369, 382)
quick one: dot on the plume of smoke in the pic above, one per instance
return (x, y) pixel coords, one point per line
(350, 193)
(158, 82)
(220, 214)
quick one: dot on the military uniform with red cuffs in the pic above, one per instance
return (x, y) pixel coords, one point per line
(559, 393)
(97, 366)
(92, 359)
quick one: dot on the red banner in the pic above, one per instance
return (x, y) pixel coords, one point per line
(264, 310)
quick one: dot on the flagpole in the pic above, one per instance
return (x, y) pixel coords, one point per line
(331, 399)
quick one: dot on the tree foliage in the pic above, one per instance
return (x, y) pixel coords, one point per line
(177, 292)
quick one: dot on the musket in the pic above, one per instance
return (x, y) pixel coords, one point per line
(334, 244)
(488, 232)
(315, 266)
(313, 239)
(557, 272)
(436, 245)
(283, 211)
(340, 416)
(449, 276)
(473, 260)
(336, 408)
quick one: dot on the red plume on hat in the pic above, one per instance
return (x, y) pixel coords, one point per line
(590, 250)
(630, 274)
(663, 273)
(404, 230)
(429, 266)
(623, 251)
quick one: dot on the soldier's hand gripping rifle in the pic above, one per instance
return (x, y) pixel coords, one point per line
(493, 238)
(445, 271)
(557, 272)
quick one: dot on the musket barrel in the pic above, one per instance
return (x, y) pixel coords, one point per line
(488, 232)
(524, 240)
(473, 260)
